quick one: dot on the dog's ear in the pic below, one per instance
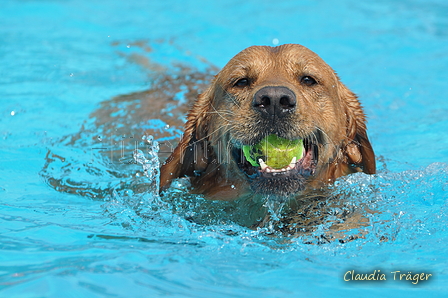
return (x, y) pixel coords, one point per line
(191, 154)
(358, 151)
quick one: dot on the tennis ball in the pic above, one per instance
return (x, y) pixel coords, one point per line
(275, 151)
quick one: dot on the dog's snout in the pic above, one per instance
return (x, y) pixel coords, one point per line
(274, 101)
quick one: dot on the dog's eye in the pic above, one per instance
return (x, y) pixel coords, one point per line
(242, 83)
(308, 81)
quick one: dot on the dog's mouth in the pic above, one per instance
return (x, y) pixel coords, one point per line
(278, 165)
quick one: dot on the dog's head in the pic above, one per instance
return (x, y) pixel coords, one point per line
(282, 101)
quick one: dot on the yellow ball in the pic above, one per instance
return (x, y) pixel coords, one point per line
(276, 152)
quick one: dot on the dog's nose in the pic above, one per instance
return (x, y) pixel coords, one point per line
(274, 101)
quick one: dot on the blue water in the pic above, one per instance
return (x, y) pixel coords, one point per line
(74, 221)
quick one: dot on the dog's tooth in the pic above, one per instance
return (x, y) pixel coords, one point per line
(263, 165)
(293, 162)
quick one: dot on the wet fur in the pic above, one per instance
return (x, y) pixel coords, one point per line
(223, 118)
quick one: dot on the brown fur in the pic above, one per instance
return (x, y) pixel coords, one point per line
(223, 118)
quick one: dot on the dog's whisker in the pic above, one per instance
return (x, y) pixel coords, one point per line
(228, 127)
(219, 114)
(328, 139)
(222, 112)
(232, 98)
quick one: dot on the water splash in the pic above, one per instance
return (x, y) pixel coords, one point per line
(135, 211)
(150, 201)
(151, 164)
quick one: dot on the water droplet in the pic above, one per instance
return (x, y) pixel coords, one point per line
(13, 113)
(100, 138)
(128, 46)
(71, 74)
(275, 41)
(233, 186)
(167, 126)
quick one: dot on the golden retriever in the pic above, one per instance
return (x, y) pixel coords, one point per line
(287, 91)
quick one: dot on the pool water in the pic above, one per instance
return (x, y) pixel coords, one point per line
(81, 82)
